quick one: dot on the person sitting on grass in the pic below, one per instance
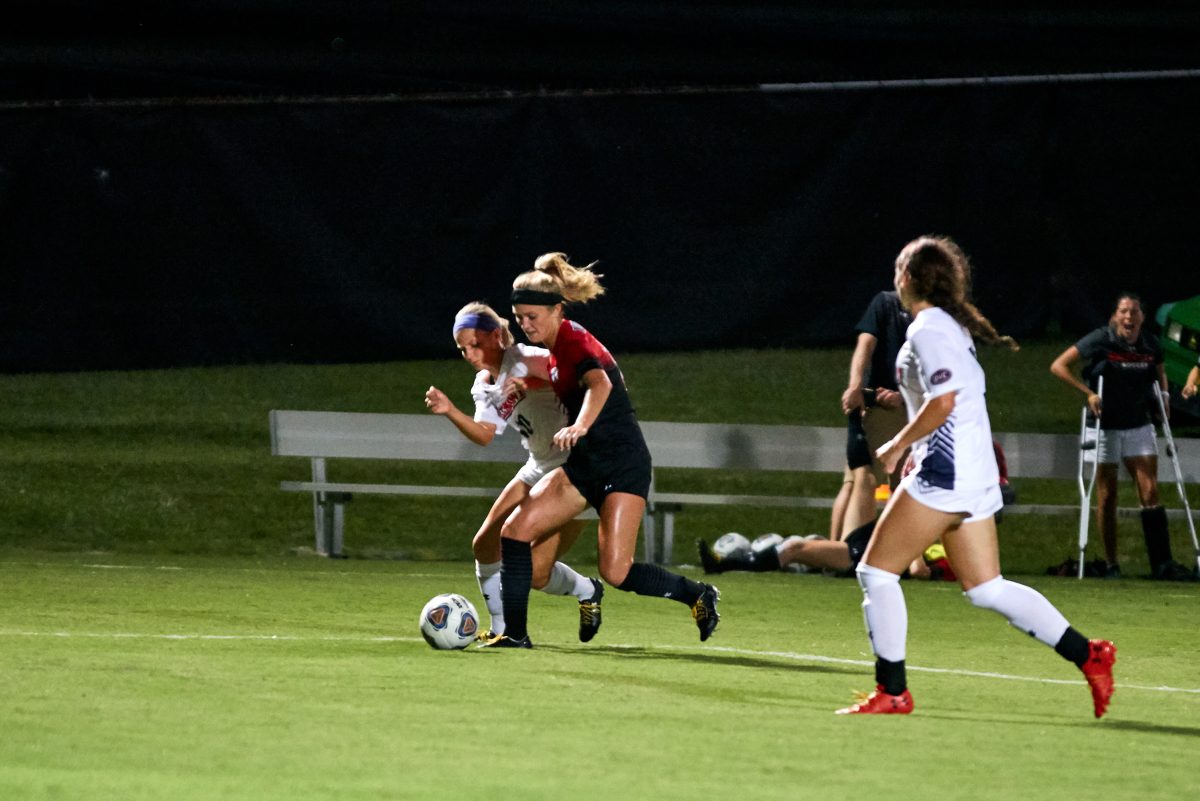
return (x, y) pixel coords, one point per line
(838, 557)
(841, 557)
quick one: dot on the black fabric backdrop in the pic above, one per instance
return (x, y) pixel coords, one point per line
(350, 228)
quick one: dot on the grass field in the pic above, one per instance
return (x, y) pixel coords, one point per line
(164, 636)
(192, 677)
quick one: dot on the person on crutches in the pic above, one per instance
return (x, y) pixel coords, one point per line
(1131, 362)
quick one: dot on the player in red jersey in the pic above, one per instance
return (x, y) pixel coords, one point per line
(609, 465)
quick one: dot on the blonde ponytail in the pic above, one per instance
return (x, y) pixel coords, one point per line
(553, 274)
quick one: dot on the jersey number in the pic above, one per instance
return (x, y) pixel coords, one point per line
(524, 426)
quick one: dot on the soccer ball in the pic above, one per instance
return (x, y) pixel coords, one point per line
(764, 542)
(449, 622)
(731, 546)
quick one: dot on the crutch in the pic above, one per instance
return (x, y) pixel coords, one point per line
(1088, 451)
(1166, 427)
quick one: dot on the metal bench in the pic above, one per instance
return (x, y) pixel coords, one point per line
(321, 436)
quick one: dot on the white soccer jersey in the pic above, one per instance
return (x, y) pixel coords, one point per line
(937, 357)
(537, 413)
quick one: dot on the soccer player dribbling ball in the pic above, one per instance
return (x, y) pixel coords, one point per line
(609, 463)
(512, 386)
(953, 492)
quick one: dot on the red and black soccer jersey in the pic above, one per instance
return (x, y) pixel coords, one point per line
(1130, 370)
(575, 352)
(612, 456)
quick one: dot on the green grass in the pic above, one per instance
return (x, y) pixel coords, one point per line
(267, 678)
(177, 461)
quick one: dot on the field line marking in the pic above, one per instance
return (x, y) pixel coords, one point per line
(790, 655)
(102, 566)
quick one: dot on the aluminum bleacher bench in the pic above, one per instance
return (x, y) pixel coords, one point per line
(321, 436)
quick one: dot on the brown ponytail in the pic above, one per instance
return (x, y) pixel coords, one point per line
(940, 274)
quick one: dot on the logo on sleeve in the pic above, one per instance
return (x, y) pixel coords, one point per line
(940, 377)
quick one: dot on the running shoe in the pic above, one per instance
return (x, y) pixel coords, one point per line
(704, 611)
(708, 560)
(880, 703)
(1098, 670)
(504, 641)
(589, 612)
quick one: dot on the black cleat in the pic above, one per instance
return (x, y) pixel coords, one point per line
(1172, 571)
(504, 641)
(708, 560)
(589, 612)
(705, 611)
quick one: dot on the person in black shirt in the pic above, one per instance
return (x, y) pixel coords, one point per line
(874, 411)
(1131, 362)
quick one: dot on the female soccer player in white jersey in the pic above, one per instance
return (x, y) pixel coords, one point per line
(512, 386)
(952, 492)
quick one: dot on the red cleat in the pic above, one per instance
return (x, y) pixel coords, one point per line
(1098, 670)
(880, 703)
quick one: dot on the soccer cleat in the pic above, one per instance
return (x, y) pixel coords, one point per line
(704, 611)
(880, 703)
(486, 636)
(708, 560)
(1171, 570)
(504, 641)
(589, 612)
(1098, 670)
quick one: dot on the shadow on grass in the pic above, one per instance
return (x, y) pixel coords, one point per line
(704, 657)
(1123, 725)
(1154, 728)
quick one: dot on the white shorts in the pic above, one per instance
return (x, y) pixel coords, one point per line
(977, 505)
(1122, 443)
(532, 471)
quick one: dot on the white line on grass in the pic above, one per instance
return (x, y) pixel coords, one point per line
(629, 646)
(98, 566)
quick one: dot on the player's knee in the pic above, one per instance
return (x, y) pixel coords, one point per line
(791, 548)
(986, 595)
(870, 578)
(613, 573)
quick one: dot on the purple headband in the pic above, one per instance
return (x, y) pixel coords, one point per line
(480, 322)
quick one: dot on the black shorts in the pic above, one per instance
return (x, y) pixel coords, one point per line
(610, 461)
(857, 541)
(858, 451)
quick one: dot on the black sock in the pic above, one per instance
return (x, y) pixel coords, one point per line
(648, 579)
(1158, 539)
(516, 574)
(1073, 647)
(754, 562)
(765, 560)
(890, 676)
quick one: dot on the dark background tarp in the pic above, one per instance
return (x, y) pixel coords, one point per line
(291, 184)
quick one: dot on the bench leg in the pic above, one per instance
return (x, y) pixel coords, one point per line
(648, 541)
(668, 538)
(329, 513)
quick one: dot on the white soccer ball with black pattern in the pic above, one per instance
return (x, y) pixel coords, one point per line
(449, 622)
(731, 545)
(765, 541)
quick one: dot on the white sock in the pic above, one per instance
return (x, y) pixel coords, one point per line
(884, 611)
(1026, 608)
(565, 581)
(489, 584)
